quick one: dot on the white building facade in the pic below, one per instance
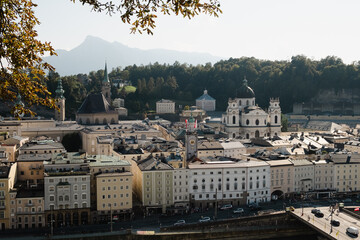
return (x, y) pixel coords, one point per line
(165, 106)
(244, 119)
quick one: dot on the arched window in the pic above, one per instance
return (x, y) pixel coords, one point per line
(247, 102)
(104, 121)
(257, 133)
(96, 121)
(257, 122)
(88, 121)
(234, 119)
(247, 136)
(276, 119)
(240, 102)
(234, 135)
(247, 122)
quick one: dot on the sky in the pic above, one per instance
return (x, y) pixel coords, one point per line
(264, 29)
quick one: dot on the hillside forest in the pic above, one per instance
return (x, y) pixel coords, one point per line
(292, 81)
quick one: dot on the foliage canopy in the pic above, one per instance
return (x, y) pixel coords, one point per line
(22, 69)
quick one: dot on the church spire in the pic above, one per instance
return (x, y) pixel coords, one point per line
(59, 91)
(106, 77)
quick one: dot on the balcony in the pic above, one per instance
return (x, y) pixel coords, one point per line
(29, 204)
(2, 207)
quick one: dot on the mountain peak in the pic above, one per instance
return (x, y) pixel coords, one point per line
(90, 55)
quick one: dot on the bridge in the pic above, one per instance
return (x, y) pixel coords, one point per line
(323, 226)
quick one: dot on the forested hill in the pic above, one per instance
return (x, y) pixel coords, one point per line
(297, 80)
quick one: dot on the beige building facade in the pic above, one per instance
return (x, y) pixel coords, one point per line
(282, 178)
(165, 106)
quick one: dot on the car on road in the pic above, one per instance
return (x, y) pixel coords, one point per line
(352, 231)
(319, 214)
(335, 223)
(314, 211)
(204, 219)
(225, 207)
(180, 222)
(238, 210)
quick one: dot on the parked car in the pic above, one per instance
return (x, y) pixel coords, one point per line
(314, 211)
(352, 231)
(238, 210)
(180, 222)
(319, 214)
(204, 219)
(335, 223)
(225, 207)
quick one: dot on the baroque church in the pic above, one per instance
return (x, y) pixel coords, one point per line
(244, 119)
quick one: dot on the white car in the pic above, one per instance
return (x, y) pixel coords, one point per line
(238, 210)
(180, 222)
(204, 219)
(225, 207)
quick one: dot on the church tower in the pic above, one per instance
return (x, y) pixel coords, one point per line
(60, 102)
(191, 143)
(275, 116)
(105, 87)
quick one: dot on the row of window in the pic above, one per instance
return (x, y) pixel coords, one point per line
(83, 179)
(67, 206)
(115, 204)
(114, 180)
(66, 197)
(115, 196)
(75, 187)
(230, 172)
(114, 188)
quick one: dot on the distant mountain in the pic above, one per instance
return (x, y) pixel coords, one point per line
(92, 53)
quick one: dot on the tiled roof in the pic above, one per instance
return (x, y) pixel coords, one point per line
(206, 96)
(95, 103)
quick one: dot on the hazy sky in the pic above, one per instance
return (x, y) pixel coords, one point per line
(265, 29)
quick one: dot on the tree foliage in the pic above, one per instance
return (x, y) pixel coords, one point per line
(20, 56)
(22, 69)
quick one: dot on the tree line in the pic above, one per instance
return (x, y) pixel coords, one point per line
(297, 80)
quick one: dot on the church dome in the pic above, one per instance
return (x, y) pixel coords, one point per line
(245, 91)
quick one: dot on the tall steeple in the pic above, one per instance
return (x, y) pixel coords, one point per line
(60, 102)
(106, 77)
(59, 91)
(105, 87)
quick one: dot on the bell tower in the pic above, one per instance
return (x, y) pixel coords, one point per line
(60, 102)
(105, 87)
(191, 141)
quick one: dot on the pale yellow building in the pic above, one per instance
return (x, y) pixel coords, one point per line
(114, 194)
(31, 168)
(7, 181)
(113, 171)
(153, 184)
(346, 171)
(282, 178)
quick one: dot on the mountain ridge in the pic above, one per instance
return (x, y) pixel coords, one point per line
(92, 53)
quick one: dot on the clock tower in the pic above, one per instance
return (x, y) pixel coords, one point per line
(191, 143)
